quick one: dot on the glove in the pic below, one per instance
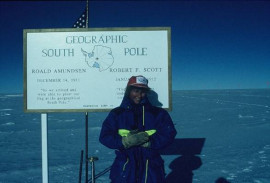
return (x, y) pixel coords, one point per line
(132, 132)
(135, 139)
(146, 144)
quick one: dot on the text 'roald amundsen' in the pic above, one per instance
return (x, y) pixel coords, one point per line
(47, 71)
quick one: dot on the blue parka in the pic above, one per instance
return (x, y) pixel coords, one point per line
(137, 164)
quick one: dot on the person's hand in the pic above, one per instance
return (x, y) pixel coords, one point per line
(132, 132)
(146, 144)
(135, 139)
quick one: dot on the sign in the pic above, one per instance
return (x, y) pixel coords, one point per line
(84, 70)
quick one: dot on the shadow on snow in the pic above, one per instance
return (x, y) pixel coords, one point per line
(182, 167)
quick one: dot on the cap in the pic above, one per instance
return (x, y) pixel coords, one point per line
(138, 81)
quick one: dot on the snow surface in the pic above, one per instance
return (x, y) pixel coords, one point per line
(221, 133)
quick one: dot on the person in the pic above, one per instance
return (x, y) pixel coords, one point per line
(137, 131)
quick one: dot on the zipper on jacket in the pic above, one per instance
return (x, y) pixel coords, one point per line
(143, 115)
(146, 171)
(124, 167)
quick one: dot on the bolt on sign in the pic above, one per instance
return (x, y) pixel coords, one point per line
(81, 70)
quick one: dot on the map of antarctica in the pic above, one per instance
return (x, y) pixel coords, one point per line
(101, 57)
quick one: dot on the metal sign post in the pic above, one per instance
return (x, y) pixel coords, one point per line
(44, 147)
(86, 147)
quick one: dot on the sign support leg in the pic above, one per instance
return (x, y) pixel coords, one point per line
(86, 147)
(44, 147)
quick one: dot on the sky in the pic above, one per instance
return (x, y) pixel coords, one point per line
(215, 44)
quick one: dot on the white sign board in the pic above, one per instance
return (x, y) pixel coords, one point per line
(80, 70)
